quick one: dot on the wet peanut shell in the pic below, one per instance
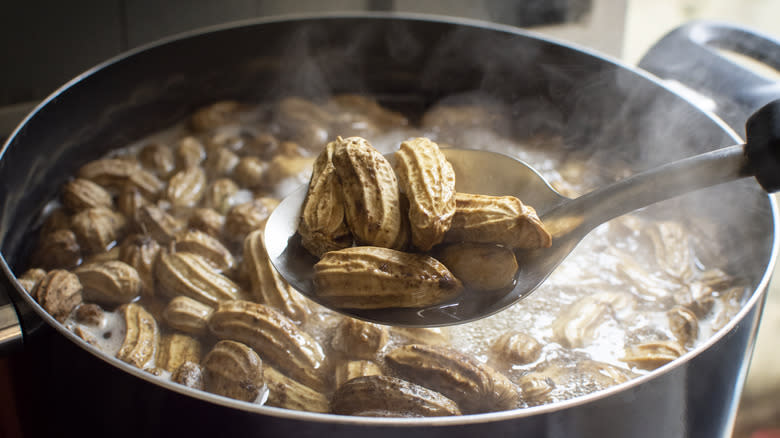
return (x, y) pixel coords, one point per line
(142, 336)
(284, 392)
(219, 193)
(158, 158)
(496, 219)
(183, 273)
(359, 339)
(268, 286)
(141, 251)
(374, 278)
(208, 247)
(116, 173)
(274, 336)
(112, 282)
(30, 278)
(233, 370)
(475, 386)
(58, 249)
(323, 226)
(176, 349)
(352, 369)
(158, 223)
(97, 228)
(371, 195)
(392, 396)
(79, 194)
(428, 181)
(58, 292)
(186, 187)
(188, 315)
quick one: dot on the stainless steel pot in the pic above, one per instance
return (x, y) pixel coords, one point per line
(597, 104)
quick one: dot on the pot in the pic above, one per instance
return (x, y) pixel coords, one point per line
(406, 61)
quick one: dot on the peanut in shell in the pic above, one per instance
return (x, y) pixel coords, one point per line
(368, 277)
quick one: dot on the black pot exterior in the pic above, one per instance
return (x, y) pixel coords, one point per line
(76, 393)
(595, 104)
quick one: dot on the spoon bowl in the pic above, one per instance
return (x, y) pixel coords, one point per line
(567, 220)
(477, 171)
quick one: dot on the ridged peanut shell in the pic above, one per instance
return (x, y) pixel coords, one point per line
(208, 247)
(274, 336)
(158, 158)
(129, 202)
(368, 277)
(142, 336)
(284, 392)
(112, 282)
(268, 287)
(175, 349)
(516, 348)
(80, 194)
(220, 162)
(392, 396)
(188, 315)
(140, 251)
(189, 152)
(352, 369)
(244, 218)
(186, 187)
(577, 324)
(475, 386)
(428, 180)
(323, 226)
(249, 172)
(219, 193)
(183, 273)
(371, 194)
(358, 339)
(58, 292)
(97, 228)
(101, 257)
(207, 220)
(497, 219)
(30, 278)
(116, 173)
(58, 249)
(233, 370)
(158, 223)
(651, 355)
(684, 325)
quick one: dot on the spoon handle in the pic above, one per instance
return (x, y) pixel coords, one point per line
(649, 187)
(759, 157)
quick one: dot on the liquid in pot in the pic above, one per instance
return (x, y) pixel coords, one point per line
(151, 255)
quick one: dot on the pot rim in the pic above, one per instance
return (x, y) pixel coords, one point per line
(756, 296)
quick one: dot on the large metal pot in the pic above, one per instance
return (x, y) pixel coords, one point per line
(597, 104)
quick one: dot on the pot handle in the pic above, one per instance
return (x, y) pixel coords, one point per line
(10, 329)
(693, 55)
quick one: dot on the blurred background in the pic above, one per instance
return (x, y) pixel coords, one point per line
(43, 44)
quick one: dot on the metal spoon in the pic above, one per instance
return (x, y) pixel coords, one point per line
(568, 220)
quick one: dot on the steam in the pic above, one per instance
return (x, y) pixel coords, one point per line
(545, 104)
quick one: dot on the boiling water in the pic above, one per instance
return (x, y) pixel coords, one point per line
(596, 266)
